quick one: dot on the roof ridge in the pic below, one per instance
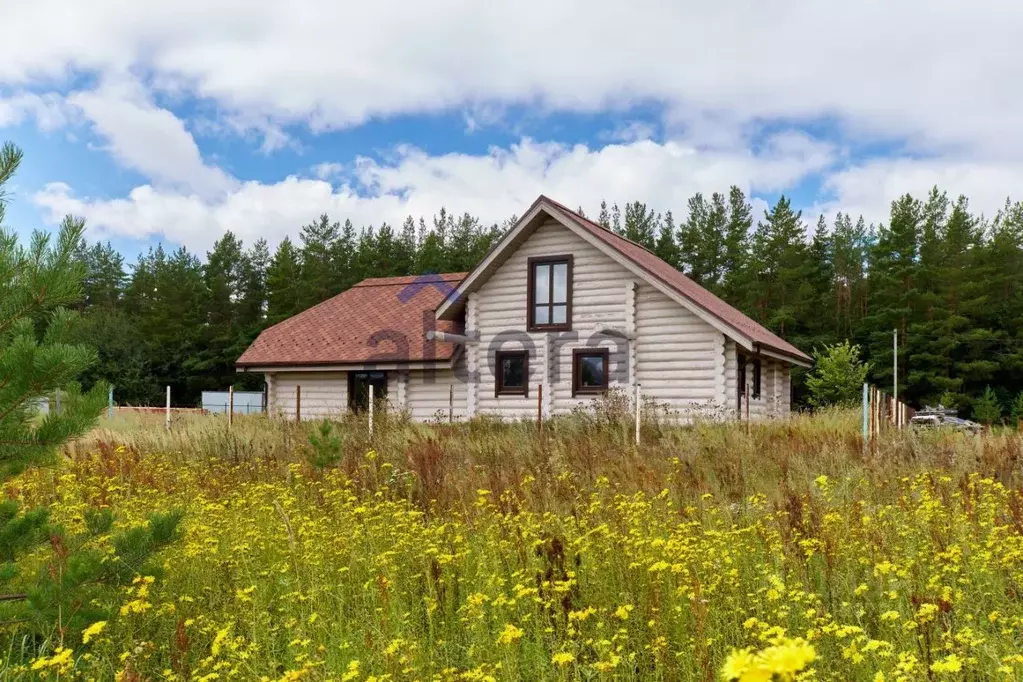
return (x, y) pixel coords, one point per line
(725, 312)
(400, 279)
(580, 216)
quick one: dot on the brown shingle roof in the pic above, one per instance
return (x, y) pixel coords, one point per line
(668, 275)
(377, 320)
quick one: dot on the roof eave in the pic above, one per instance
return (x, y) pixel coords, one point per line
(786, 356)
(452, 303)
(263, 367)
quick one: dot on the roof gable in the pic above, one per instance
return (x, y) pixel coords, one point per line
(663, 276)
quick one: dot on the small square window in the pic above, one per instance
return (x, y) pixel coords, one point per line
(511, 372)
(589, 371)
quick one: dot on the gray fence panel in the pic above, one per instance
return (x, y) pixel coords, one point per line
(245, 402)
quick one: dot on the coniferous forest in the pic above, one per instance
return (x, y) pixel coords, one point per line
(950, 281)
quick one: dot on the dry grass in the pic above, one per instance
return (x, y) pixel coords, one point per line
(489, 551)
(444, 464)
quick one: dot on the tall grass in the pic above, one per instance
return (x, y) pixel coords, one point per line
(443, 463)
(493, 550)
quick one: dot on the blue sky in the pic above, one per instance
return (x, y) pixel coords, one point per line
(174, 122)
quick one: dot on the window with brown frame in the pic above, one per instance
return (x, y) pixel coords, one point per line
(511, 372)
(589, 371)
(549, 293)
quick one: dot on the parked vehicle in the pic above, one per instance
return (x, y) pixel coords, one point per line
(942, 417)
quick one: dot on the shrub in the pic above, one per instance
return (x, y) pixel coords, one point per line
(837, 378)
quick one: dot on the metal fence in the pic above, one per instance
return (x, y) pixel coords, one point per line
(245, 402)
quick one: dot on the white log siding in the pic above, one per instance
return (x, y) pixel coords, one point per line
(677, 356)
(732, 381)
(472, 355)
(598, 297)
(786, 390)
(324, 394)
(775, 387)
(681, 361)
(427, 396)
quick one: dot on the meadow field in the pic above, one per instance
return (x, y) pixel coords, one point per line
(489, 551)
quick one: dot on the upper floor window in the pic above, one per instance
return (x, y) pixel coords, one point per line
(549, 297)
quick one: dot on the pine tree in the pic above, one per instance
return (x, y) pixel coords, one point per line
(1002, 259)
(284, 285)
(604, 218)
(735, 265)
(690, 239)
(175, 331)
(986, 409)
(819, 283)
(223, 275)
(666, 249)
(1016, 411)
(39, 355)
(405, 251)
(252, 304)
(122, 357)
(104, 276)
(432, 256)
(849, 259)
(893, 271)
(837, 377)
(781, 297)
(321, 276)
(641, 225)
(212, 364)
(344, 257)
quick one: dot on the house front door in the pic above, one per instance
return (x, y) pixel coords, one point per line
(358, 389)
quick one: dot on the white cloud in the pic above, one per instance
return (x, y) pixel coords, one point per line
(49, 110)
(328, 170)
(868, 188)
(493, 186)
(926, 71)
(631, 131)
(147, 138)
(927, 75)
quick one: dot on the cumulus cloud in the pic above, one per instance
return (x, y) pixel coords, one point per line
(928, 72)
(493, 186)
(147, 138)
(868, 188)
(928, 79)
(49, 110)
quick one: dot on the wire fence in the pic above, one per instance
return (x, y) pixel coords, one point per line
(221, 408)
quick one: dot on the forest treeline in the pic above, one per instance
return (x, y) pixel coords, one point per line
(949, 280)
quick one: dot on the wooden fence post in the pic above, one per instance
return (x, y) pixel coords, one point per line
(298, 403)
(638, 408)
(746, 399)
(873, 414)
(168, 408)
(451, 403)
(866, 407)
(371, 410)
(230, 406)
(539, 407)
